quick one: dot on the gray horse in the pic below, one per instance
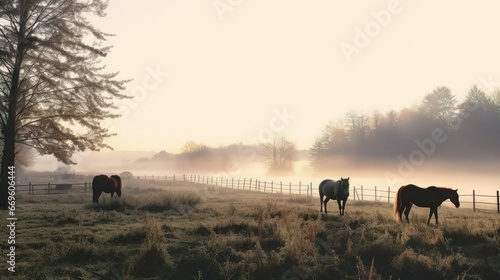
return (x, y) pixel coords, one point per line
(338, 190)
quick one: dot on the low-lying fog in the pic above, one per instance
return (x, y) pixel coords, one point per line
(480, 176)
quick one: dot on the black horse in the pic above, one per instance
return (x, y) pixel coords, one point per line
(431, 197)
(338, 190)
(103, 183)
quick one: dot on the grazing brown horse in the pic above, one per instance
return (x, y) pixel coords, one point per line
(431, 197)
(338, 190)
(103, 183)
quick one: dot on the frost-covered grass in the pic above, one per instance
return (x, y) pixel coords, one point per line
(188, 231)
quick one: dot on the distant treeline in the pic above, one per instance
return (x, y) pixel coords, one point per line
(200, 157)
(439, 127)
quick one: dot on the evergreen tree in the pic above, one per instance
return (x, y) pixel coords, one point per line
(440, 104)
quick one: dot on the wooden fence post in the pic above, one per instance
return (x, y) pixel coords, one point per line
(311, 184)
(290, 187)
(272, 187)
(281, 187)
(48, 188)
(299, 188)
(375, 193)
(389, 195)
(473, 200)
(362, 198)
(498, 203)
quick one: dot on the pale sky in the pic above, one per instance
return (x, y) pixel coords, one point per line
(230, 70)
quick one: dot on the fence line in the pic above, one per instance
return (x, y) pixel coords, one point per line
(50, 188)
(381, 194)
(252, 184)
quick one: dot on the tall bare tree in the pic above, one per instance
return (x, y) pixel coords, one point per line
(357, 124)
(54, 90)
(280, 154)
(376, 119)
(192, 150)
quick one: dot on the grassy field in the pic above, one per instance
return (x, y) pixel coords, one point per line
(187, 231)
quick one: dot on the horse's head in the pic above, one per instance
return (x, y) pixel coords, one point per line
(344, 186)
(454, 198)
(118, 184)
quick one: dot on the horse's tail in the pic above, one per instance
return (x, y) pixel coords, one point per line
(321, 187)
(97, 181)
(94, 182)
(397, 205)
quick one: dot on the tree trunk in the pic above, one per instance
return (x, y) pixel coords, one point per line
(7, 161)
(9, 130)
(9, 136)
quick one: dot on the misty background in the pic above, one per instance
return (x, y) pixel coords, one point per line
(441, 140)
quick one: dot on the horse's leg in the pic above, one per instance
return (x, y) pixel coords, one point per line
(326, 200)
(343, 206)
(435, 211)
(321, 203)
(96, 195)
(111, 199)
(431, 211)
(407, 211)
(339, 202)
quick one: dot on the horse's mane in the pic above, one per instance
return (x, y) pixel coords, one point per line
(440, 188)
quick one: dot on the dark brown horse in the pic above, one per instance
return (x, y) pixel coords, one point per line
(338, 190)
(103, 183)
(431, 197)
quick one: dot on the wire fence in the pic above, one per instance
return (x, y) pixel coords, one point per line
(476, 201)
(360, 193)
